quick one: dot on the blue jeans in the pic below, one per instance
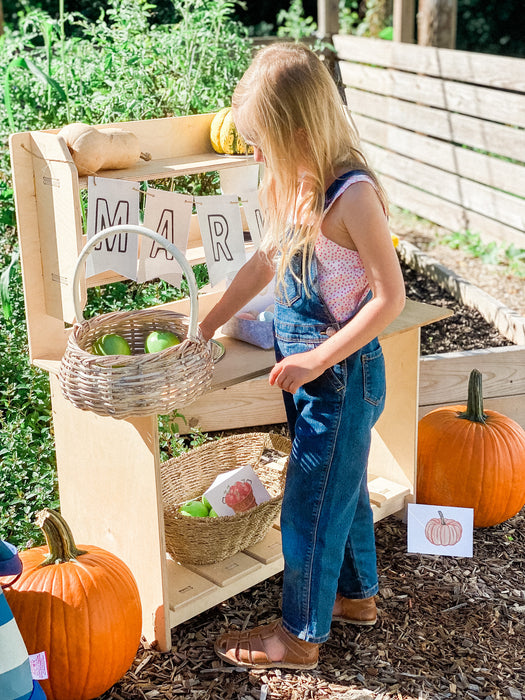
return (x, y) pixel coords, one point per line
(326, 521)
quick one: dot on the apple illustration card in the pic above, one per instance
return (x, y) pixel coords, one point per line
(445, 530)
(236, 491)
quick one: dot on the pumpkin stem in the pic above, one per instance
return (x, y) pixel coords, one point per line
(474, 410)
(443, 521)
(59, 538)
(145, 156)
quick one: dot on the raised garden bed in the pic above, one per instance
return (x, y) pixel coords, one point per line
(483, 333)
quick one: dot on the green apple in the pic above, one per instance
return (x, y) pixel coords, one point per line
(160, 340)
(196, 509)
(111, 344)
(212, 514)
(206, 503)
(95, 348)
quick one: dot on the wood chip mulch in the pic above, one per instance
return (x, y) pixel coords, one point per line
(448, 628)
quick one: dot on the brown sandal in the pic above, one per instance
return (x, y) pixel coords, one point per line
(247, 648)
(356, 611)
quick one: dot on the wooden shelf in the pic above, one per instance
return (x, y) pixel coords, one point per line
(174, 167)
(194, 589)
(109, 470)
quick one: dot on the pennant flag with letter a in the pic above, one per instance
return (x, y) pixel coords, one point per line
(113, 203)
(169, 214)
(222, 237)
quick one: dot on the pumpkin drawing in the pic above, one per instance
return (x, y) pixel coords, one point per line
(81, 607)
(471, 458)
(443, 532)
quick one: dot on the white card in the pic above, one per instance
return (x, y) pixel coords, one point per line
(253, 212)
(236, 491)
(445, 530)
(38, 665)
(243, 179)
(222, 236)
(169, 214)
(112, 203)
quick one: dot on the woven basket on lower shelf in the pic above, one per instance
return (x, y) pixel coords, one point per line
(208, 540)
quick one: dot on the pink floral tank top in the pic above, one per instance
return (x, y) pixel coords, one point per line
(342, 278)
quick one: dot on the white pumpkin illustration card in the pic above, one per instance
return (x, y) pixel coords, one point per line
(445, 530)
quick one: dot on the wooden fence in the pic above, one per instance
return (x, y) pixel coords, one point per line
(445, 129)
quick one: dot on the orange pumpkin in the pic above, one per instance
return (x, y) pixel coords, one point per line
(472, 458)
(443, 532)
(82, 607)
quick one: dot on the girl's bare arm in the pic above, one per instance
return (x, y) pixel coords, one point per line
(368, 229)
(252, 278)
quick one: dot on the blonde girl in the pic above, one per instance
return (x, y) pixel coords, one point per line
(338, 285)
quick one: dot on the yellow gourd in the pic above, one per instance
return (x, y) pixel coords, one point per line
(224, 136)
(101, 149)
(215, 129)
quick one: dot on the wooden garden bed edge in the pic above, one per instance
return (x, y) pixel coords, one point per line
(508, 322)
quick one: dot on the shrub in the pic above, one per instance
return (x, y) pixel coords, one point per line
(119, 68)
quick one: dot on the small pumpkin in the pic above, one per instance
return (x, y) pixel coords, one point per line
(442, 531)
(101, 149)
(80, 606)
(224, 136)
(472, 458)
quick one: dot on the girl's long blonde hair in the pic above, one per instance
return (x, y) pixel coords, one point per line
(288, 105)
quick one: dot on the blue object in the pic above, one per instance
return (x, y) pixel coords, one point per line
(10, 564)
(38, 693)
(16, 682)
(259, 333)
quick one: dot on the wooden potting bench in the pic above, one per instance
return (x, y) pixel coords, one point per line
(109, 470)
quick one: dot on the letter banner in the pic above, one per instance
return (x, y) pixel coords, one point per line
(169, 214)
(112, 203)
(222, 236)
(253, 213)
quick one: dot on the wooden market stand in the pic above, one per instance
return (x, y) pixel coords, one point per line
(109, 470)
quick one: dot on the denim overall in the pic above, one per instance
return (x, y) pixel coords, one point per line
(326, 521)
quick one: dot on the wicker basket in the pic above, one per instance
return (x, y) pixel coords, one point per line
(139, 384)
(208, 540)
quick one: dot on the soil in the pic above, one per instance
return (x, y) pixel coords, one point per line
(465, 330)
(447, 627)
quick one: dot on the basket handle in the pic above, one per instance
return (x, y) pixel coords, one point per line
(160, 240)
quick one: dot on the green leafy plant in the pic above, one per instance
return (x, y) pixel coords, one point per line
(370, 18)
(27, 458)
(5, 279)
(120, 67)
(349, 18)
(493, 253)
(293, 24)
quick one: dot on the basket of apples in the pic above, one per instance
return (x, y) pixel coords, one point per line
(138, 362)
(195, 532)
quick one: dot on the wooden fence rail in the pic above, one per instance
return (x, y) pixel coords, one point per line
(445, 129)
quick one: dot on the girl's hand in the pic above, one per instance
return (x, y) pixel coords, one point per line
(207, 333)
(295, 370)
